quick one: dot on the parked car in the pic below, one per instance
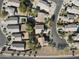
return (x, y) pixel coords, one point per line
(53, 17)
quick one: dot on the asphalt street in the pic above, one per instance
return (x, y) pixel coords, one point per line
(18, 57)
(55, 36)
(2, 39)
(1, 3)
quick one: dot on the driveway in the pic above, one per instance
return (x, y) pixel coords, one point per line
(59, 42)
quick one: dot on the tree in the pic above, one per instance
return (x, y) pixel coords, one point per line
(32, 46)
(48, 22)
(9, 38)
(29, 28)
(4, 30)
(33, 12)
(70, 40)
(24, 4)
(22, 8)
(60, 31)
(22, 0)
(32, 43)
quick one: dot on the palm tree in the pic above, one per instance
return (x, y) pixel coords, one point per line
(30, 53)
(12, 54)
(25, 53)
(18, 53)
(29, 28)
(73, 52)
(35, 53)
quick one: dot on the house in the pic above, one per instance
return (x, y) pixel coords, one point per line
(42, 41)
(43, 5)
(10, 10)
(70, 16)
(76, 40)
(67, 19)
(12, 20)
(39, 28)
(15, 3)
(13, 28)
(41, 17)
(75, 2)
(70, 27)
(73, 10)
(17, 36)
(18, 45)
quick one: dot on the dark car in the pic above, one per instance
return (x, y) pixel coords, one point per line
(53, 17)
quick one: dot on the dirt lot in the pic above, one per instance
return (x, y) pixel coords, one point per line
(49, 51)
